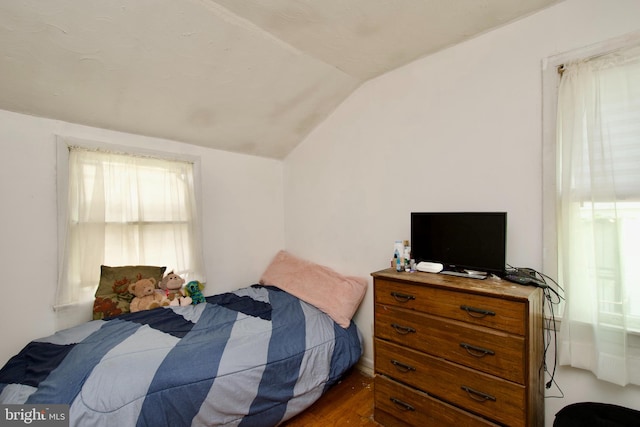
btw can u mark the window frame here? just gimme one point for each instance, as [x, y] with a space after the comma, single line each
[63, 143]
[550, 86]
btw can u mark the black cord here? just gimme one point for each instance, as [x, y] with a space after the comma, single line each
[544, 278]
[552, 297]
[555, 340]
[552, 380]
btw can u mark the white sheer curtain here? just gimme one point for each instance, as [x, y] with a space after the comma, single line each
[598, 211]
[124, 210]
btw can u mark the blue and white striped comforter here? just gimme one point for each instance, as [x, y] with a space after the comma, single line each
[253, 357]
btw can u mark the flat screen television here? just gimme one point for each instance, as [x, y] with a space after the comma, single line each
[461, 241]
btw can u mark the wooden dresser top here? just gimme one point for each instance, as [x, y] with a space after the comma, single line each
[489, 286]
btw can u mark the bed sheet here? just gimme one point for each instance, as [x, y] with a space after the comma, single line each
[256, 357]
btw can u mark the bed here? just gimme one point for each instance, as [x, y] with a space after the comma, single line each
[256, 356]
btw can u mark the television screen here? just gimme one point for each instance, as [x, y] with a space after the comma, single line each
[461, 241]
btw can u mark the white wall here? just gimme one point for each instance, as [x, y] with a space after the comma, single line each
[242, 218]
[460, 130]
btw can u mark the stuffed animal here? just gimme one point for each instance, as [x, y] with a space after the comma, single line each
[194, 290]
[171, 286]
[145, 295]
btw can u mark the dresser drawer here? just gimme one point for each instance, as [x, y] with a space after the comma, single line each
[498, 313]
[480, 348]
[495, 398]
[398, 405]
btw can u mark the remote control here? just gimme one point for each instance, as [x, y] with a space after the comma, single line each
[522, 279]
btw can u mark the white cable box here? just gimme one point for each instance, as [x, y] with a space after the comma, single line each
[429, 267]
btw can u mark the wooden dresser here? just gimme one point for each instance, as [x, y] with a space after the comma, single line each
[452, 351]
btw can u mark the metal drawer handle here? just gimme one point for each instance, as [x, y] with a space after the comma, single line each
[478, 395]
[478, 313]
[402, 330]
[476, 351]
[403, 405]
[402, 297]
[401, 366]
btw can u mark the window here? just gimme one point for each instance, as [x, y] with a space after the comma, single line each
[120, 209]
[593, 200]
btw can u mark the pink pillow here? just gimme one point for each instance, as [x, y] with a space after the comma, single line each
[338, 296]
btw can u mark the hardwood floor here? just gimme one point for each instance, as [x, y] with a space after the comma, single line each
[349, 402]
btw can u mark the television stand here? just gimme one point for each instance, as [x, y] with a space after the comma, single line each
[470, 274]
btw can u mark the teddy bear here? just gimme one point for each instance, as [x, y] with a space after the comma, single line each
[171, 288]
[146, 296]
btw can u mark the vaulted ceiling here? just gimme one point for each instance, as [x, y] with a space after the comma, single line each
[249, 76]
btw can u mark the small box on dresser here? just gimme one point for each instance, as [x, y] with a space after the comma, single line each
[457, 351]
